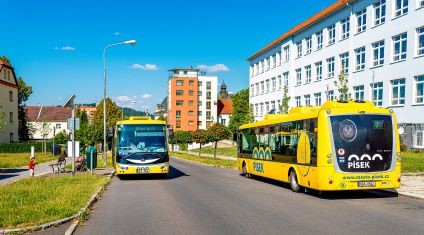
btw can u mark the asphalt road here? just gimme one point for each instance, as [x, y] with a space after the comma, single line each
[206, 200]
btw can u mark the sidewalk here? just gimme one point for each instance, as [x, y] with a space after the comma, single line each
[10, 175]
[209, 155]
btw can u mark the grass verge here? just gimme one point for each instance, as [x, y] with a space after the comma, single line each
[412, 161]
[14, 160]
[225, 151]
[39, 200]
[205, 160]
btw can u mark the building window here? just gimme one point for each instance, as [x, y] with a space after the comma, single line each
[208, 105]
[278, 58]
[378, 53]
[208, 95]
[179, 93]
[262, 63]
[273, 62]
[419, 89]
[420, 41]
[58, 126]
[273, 105]
[330, 95]
[8, 75]
[199, 93]
[298, 101]
[419, 136]
[399, 47]
[420, 3]
[178, 124]
[299, 49]
[180, 82]
[256, 109]
[266, 107]
[308, 74]
[179, 103]
[360, 59]
[185, 72]
[208, 124]
[359, 92]
[319, 40]
[199, 123]
[266, 64]
[280, 82]
[199, 113]
[11, 117]
[331, 34]
[11, 96]
[308, 45]
[344, 63]
[191, 82]
[330, 67]
[345, 28]
[267, 86]
[208, 85]
[177, 114]
[318, 70]
[252, 71]
[377, 94]
[274, 84]
[262, 109]
[200, 83]
[286, 52]
[208, 114]
[317, 99]
[379, 12]
[286, 79]
[191, 93]
[298, 77]
[398, 92]
[307, 100]
[190, 113]
[199, 103]
[190, 103]
[262, 87]
[401, 7]
[361, 20]
[257, 88]
[252, 90]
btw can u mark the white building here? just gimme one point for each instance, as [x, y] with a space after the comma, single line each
[46, 121]
[8, 103]
[379, 44]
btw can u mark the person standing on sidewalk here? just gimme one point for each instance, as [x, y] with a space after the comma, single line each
[31, 166]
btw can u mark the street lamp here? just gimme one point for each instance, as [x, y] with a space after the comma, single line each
[122, 113]
[129, 42]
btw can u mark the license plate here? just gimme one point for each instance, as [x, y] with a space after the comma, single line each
[143, 170]
[366, 184]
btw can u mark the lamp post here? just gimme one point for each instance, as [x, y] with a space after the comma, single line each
[129, 42]
[122, 113]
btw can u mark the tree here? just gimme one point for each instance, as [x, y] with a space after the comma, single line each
[44, 128]
[5, 59]
[216, 133]
[242, 111]
[61, 138]
[342, 85]
[182, 137]
[162, 117]
[113, 114]
[284, 108]
[201, 137]
[24, 91]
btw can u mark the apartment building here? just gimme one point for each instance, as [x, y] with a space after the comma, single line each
[8, 103]
[378, 44]
[192, 99]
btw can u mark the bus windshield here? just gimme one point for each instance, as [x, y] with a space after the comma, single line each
[139, 138]
[363, 143]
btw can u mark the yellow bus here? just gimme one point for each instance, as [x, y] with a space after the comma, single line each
[338, 146]
[141, 146]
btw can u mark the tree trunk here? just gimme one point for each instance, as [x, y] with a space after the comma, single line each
[214, 152]
[200, 150]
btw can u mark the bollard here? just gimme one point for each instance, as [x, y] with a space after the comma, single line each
[32, 152]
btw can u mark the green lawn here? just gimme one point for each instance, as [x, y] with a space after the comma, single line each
[39, 200]
[13, 160]
[412, 162]
[226, 151]
[205, 160]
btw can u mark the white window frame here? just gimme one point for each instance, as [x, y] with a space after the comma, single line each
[361, 20]
[419, 89]
[331, 30]
[298, 77]
[308, 74]
[330, 67]
[308, 45]
[262, 109]
[420, 4]
[400, 8]
[344, 62]
[320, 40]
[397, 86]
[257, 88]
[418, 139]
[318, 70]
[279, 82]
[377, 53]
[299, 49]
[267, 86]
[274, 84]
[330, 95]
[379, 12]
[400, 41]
[252, 90]
[307, 100]
[360, 59]
[262, 87]
[298, 101]
[317, 99]
[420, 41]
[286, 79]
[377, 93]
[359, 92]
[345, 28]
[286, 51]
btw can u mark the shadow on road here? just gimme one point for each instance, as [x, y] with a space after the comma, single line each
[173, 174]
[2, 177]
[335, 195]
[12, 170]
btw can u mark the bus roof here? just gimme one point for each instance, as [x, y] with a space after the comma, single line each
[300, 113]
[140, 120]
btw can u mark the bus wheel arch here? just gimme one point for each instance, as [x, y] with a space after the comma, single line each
[293, 180]
[244, 170]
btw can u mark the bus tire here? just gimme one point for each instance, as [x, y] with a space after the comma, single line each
[294, 185]
[244, 171]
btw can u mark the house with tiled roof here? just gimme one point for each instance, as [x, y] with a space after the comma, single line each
[45, 121]
[225, 106]
[8, 103]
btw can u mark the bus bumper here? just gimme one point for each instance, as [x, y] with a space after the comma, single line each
[124, 169]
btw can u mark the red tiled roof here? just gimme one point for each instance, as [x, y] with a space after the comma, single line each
[225, 107]
[48, 113]
[339, 4]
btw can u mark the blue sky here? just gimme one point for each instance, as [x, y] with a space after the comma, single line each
[57, 46]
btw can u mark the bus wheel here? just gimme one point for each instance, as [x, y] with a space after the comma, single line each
[244, 171]
[293, 182]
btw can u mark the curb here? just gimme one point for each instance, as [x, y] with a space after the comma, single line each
[71, 228]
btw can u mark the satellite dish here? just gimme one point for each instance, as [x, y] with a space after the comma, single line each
[70, 102]
[401, 130]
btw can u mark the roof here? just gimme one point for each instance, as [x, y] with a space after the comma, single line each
[339, 4]
[225, 107]
[5, 64]
[48, 113]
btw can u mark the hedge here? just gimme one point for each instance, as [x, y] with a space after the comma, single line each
[23, 147]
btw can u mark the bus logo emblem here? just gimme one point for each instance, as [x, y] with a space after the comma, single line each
[348, 130]
[341, 152]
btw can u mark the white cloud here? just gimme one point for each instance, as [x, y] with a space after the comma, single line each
[146, 96]
[123, 98]
[213, 68]
[65, 48]
[116, 33]
[147, 67]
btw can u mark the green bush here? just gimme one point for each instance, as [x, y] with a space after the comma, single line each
[23, 147]
[183, 147]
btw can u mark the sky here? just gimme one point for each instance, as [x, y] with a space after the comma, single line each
[57, 46]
